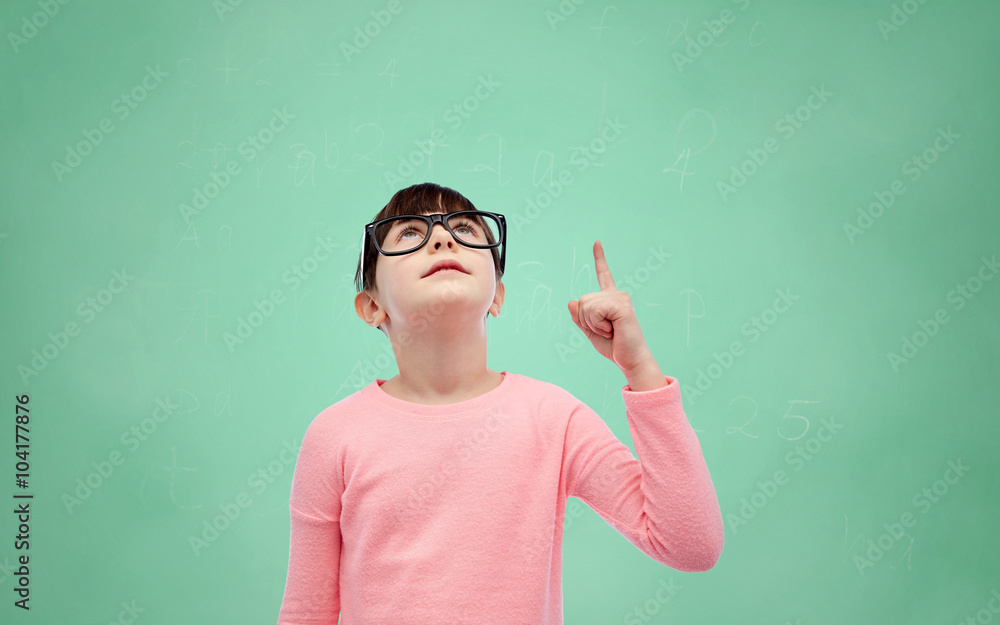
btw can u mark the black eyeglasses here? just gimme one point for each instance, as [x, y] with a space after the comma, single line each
[405, 234]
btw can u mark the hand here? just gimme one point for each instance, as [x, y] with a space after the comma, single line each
[608, 320]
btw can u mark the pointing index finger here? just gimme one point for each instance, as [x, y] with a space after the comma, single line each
[601, 266]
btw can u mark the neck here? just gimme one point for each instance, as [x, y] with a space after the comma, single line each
[443, 363]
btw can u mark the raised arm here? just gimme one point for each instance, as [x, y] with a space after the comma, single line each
[664, 502]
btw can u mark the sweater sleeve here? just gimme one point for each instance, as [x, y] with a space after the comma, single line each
[312, 588]
[664, 503]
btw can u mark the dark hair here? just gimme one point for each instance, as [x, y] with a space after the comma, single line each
[419, 199]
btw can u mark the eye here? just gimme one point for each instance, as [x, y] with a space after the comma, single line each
[467, 227]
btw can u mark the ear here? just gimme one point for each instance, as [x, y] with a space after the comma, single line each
[368, 309]
[497, 300]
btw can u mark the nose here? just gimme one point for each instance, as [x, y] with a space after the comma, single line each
[440, 234]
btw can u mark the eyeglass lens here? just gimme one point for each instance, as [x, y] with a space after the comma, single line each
[402, 234]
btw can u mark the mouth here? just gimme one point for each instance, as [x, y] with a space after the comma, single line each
[445, 266]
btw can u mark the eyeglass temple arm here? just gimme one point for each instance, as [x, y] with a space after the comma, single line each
[364, 239]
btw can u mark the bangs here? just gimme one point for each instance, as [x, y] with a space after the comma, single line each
[425, 199]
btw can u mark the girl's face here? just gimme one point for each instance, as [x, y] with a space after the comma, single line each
[409, 290]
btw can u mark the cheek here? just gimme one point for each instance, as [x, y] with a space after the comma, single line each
[487, 262]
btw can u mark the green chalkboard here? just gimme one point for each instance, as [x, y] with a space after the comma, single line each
[800, 199]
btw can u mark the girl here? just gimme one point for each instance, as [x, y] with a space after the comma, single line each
[438, 496]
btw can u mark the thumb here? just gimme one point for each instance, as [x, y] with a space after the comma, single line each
[574, 307]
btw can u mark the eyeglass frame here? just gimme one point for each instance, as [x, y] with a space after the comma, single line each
[430, 220]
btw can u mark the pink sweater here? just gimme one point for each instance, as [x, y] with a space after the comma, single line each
[405, 513]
